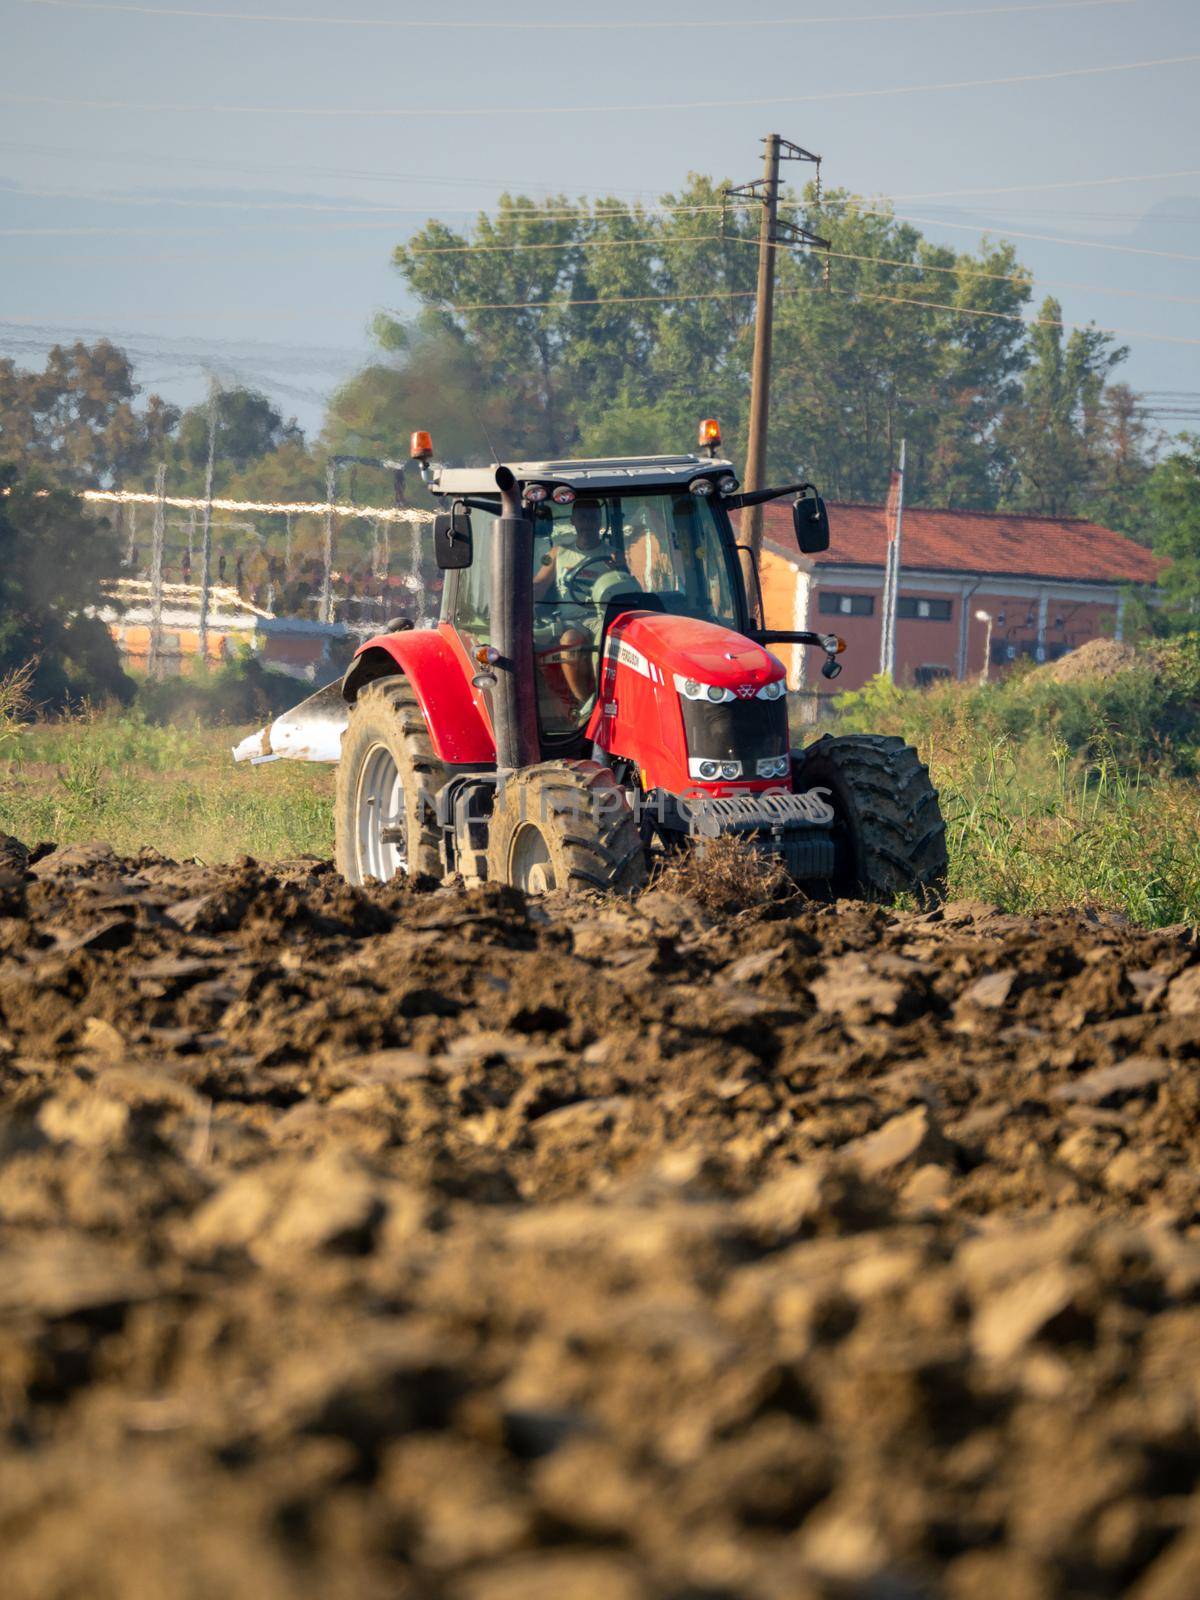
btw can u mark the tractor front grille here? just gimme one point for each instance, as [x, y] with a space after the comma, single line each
[736, 730]
[712, 814]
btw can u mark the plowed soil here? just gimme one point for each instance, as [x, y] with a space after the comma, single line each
[426, 1244]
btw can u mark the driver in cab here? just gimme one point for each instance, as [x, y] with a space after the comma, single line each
[581, 577]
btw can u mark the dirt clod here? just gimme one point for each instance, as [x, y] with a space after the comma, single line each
[443, 1246]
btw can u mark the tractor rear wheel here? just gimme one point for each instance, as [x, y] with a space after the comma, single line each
[565, 825]
[889, 836]
[387, 778]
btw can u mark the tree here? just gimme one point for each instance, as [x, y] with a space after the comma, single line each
[502, 290]
[77, 417]
[910, 340]
[248, 429]
[53, 562]
[1123, 452]
[427, 376]
[569, 312]
[1172, 498]
[1054, 433]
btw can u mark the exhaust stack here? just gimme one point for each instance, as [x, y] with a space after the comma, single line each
[514, 699]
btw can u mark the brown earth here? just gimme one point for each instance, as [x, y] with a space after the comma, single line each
[434, 1245]
[1098, 658]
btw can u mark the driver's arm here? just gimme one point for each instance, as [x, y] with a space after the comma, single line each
[544, 576]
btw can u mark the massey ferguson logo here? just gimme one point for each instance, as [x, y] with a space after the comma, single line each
[746, 691]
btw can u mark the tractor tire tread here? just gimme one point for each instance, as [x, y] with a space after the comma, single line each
[390, 707]
[888, 810]
[600, 850]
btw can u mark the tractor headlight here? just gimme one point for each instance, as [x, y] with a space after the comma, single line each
[774, 767]
[701, 486]
[690, 689]
[727, 485]
[714, 771]
[535, 493]
[772, 691]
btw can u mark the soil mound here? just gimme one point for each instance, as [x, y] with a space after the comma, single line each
[447, 1246]
[1098, 658]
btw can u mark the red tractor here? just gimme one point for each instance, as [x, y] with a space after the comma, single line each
[597, 691]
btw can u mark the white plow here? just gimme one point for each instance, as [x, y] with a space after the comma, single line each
[311, 731]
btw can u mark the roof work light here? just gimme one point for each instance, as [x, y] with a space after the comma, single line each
[710, 435]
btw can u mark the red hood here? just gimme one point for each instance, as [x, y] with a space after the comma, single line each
[702, 650]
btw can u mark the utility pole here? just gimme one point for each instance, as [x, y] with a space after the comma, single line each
[764, 328]
[894, 520]
[131, 542]
[153, 662]
[771, 234]
[206, 533]
[327, 553]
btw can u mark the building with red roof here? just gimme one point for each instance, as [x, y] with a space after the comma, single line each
[1038, 586]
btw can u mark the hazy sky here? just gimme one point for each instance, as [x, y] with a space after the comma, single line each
[187, 222]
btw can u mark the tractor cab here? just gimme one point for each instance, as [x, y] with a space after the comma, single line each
[599, 687]
[608, 539]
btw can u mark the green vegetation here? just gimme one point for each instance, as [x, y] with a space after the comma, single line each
[553, 326]
[116, 777]
[238, 691]
[1076, 793]
[53, 560]
[1056, 794]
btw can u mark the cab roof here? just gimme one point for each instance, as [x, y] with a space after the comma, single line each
[615, 472]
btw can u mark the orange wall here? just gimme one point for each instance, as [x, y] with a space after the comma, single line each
[922, 642]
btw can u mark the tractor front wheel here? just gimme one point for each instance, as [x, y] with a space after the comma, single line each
[387, 777]
[565, 825]
[889, 836]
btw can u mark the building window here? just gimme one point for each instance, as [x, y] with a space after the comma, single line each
[925, 676]
[846, 605]
[926, 610]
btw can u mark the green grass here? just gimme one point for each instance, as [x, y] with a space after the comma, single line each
[1054, 796]
[118, 778]
[1033, 833]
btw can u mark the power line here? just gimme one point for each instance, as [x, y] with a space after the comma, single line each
[188, 202]
[375, 175]
[853, 294]
[1045, 238]
[534, 110]
[1004, 214]
[211, 163]
[108, 197]
[298, 357]
[967, 268]
[1064, 183]
[224, 314]
[530, 214]
[605, 26]
[513, 215]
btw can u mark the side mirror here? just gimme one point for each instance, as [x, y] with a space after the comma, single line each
[452, 540]
[811, 522]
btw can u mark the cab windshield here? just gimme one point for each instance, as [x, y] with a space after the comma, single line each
[604, 547]
[664, 550]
